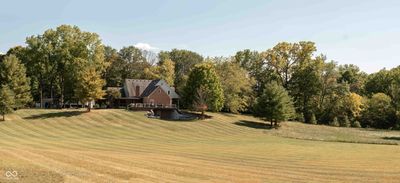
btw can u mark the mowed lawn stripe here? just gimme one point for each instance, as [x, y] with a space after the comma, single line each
[214, 150]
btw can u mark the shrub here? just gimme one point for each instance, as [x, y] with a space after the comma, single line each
[299, 117]
[313, 120]
[345, 122]
[356, 124]
[334, 122]
[379, 112]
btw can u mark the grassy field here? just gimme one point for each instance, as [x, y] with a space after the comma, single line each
[122, 146]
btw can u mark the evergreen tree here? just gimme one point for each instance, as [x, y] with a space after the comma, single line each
[13, 74]
[204, 76]
[274, 104]
[6, 101]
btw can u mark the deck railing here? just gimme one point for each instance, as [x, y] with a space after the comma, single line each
[151, 105]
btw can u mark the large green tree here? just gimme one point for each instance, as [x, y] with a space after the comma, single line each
[352, 75]
[379, 112]
[6, 100]
[56, 56]
[164, 70]
[112, 75]
[284, 58]
[274, 105]
[253, 62]
[305, 85]
[203, 84]
[330, 101]
[127, 63]
[184, 61]
[13, 74]
[237, 86]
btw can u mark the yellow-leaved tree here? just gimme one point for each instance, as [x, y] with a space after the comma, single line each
[89, 86]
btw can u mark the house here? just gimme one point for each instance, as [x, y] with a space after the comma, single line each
[146, 92]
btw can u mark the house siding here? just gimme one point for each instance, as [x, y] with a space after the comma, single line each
[158, 96]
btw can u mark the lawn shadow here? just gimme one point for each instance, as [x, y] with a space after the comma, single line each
[253, 124]
[391, 138]
[55, 114]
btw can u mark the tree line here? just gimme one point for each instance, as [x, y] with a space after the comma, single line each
[286, 82]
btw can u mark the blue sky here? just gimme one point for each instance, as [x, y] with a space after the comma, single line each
[365, 33]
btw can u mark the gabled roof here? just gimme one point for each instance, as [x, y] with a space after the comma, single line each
[150, 88]
[129, 86]
[147, 87]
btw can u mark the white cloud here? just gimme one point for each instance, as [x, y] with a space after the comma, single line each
[145, 46]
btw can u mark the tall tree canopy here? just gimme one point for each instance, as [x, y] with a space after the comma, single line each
[284, 58]
[203, 84]
[352, 75]
[164, 70]
[57, 56]
[89, 86]
[184, 61]
[379, 112]
[13, 74]
[127, 63]
[305, 86]
[237, 86]
[330, 100]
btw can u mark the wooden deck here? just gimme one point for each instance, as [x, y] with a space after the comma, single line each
[147, 106]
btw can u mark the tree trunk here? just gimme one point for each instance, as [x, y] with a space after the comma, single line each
[51, 93]
[41, 97]
[62, 92]
[41, 93]
[4, 118]
[89, 107]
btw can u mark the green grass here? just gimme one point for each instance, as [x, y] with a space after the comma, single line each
[123, 146]
[337, 134]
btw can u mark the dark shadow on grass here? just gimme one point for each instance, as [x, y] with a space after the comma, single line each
[56, 114]
[253, 124]
[391, 138]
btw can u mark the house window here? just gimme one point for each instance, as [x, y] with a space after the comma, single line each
[169, 92]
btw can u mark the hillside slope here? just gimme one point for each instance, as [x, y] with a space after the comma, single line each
[123, 146]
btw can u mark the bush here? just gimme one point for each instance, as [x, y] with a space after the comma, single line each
[345, 122]
[334, 122]
[356, 124]
[313, 120]
[379, 112]
[299, 117]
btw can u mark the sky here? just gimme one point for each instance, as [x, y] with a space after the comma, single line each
[361, 32]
